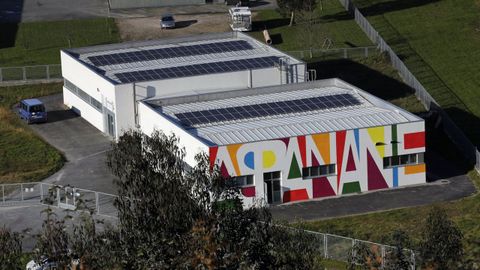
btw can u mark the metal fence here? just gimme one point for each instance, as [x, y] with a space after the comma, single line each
[329, 246]
[326, 54]
[29, 73]
[340, 248]
[454, 133]
[58, 196]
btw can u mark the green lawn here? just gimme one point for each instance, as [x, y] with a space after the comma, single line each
[439, 41]
[39, 43]
[24, 156]
[343, 33]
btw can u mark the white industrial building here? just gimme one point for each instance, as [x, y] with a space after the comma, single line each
[103, 83]
[298, 141]
[249, 107]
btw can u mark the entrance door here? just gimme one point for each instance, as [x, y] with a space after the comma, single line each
[273, 190]
[111, 124]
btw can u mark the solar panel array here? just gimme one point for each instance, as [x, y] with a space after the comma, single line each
[171, 52]
[198, 69]
[267, 109]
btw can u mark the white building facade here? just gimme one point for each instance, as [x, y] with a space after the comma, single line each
[298, 141]
[104, 84]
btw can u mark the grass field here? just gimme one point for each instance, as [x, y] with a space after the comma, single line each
[439, 41]
[378, 227]
[23, 155]
[39, 43]
[343, 33]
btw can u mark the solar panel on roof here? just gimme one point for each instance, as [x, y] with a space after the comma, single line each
[266, 109]
[198, 69]
[171, 52]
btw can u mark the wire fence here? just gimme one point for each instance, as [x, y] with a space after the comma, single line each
[337, 53]
[65, 197]
[329, 246]
[30, 73]
[454, 133]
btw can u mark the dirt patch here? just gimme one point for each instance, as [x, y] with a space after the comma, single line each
[149, 28]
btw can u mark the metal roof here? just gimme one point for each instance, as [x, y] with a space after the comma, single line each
[369, 111]
[141, 57]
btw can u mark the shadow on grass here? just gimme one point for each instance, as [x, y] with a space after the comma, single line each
[362, 76]
[379, 9]
[269, 24]
[443, 158]
[183, 24]
[10, 17]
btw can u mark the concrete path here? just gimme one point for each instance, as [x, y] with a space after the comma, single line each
[83, 146]
[29, 219]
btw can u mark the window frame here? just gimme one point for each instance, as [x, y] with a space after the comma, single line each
[403, 160]
[246, 177]
[331, 170]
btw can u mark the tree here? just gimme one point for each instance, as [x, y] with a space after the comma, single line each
[10, 249]
[398, 259]
[441, 245]
[53, 241]
[155, 207]
[172, 216]
[94, 249]
[292, 6]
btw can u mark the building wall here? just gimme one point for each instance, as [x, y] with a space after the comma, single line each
[92, 84]
[150, 121]
[359, 161]
[83, 109]
[114, 4]
[233, 80]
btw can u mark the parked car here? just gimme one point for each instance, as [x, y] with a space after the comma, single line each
[167, 21]
[32, 111]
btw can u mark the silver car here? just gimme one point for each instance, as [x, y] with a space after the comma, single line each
[167, 21]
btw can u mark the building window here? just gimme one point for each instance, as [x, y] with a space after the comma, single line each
[83, 95]
[243, 180]
[402, 160]
[271, 176]
[317, 171]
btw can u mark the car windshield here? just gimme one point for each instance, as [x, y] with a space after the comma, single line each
[167, 19]
[37, 108]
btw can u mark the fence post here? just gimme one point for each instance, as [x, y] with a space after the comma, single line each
[354, 252]
[48, 71]
[383, 257]
[325, 246]
[24, 73]
[1, 75]
[21, 192]
[412, 254]
[3, 193]
[41, 193]
[97, 203]
[345, 53]
[58, 196]
[366, 51]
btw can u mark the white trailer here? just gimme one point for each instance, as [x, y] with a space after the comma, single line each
[240, 19]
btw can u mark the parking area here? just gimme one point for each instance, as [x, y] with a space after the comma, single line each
[149, 27]
[83, 145]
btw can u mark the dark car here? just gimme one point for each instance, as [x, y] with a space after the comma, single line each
[32, 111]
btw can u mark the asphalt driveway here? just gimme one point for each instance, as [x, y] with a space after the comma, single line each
[83, 145]
[446, 183]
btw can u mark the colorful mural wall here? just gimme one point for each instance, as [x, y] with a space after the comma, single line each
[358, 155]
